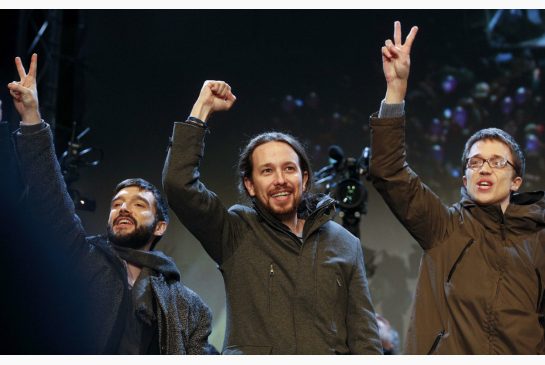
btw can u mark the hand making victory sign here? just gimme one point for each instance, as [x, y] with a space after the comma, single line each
[396, 63]
[25, 92]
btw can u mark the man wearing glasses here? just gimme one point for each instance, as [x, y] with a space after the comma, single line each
[481, 284]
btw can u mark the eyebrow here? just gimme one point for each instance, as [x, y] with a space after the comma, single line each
[481, 156]
[137, 198]
[270, 164]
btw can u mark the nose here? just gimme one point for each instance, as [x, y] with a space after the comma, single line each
[485, 168]
[279, 178]
[124, 208]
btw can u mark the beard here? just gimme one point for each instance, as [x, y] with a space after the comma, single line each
[137, 239]
[286, 212]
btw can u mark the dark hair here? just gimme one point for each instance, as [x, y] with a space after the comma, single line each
[501, 136]
[245, 165]
[161, 207]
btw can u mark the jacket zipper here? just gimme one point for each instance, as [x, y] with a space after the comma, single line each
[436, 342]
[459, 259]
[271, 275]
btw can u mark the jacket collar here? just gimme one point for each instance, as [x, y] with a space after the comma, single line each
[155, 266]
[316, 209]
[525, 212]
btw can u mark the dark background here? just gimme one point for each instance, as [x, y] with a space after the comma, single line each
[129, 74]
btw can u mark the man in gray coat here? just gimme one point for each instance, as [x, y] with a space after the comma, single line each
[139, 305]
[295, 280]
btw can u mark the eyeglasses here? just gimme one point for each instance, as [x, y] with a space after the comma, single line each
[495, 162]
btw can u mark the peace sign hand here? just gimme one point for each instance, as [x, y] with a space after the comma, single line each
[396, 63]
[25, 92]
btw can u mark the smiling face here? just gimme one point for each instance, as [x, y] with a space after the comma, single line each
[132, 220]
[486, 185]
[277, 180]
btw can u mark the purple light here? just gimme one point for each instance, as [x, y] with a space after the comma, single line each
[460, 116]
[436, 129]
[437, 153]
[507, 105]
[449, 84]
[521, 95]
[532, 143]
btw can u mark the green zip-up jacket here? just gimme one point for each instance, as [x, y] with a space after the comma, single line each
[284, 295]
[482, 272]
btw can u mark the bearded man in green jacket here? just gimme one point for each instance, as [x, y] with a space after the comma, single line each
[294, 279]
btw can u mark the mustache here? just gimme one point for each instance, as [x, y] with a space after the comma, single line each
[126, 216]
[284, 188]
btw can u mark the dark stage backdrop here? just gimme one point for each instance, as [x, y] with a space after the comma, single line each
[317, 74]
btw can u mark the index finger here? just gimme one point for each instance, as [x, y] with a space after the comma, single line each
[20, 68]
[410, 37]
[33, 65]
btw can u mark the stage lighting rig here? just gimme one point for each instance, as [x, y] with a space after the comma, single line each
[74, 158]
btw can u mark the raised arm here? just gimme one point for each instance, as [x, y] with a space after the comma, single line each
[198, 208]
[411, 201]
[47, 193]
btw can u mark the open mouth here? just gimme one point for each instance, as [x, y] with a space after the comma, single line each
[484, 185]
[124, 222]
[281, 195]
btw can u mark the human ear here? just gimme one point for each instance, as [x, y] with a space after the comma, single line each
[249, 185]
[516, 183]
[160, 228]
[305, 180]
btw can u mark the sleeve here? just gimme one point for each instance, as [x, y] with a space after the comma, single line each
[198, 208]
[391, 110]
[362, 328]
[198, 338]
[45, 186]
[413, 203]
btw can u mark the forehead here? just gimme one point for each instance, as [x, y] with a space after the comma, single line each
[274, 152]
[490, 147]
[134, 192]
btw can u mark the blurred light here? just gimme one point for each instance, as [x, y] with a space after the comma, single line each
[507, 105]
[454, 172]
[460, 116]
[504, 57]
[521, 95]
[447, 113]
[313, 100]
[288, 104]
[437, 152]
[532, 143]
[481, 90]
[436, 129]
[449, 84]
[298, 102]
